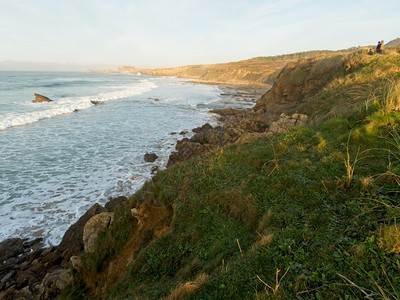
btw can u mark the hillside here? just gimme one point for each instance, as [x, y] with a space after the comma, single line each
[395, 42]
[258, 72]
[307, 214]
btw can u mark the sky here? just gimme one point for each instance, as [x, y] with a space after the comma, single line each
[95, 34]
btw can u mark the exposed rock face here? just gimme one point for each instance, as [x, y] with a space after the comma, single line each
[41, 98]
[150, 157]
[93, 228]
[287, 121]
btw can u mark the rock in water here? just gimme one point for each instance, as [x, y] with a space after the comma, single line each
[150, 157]
[96, 102]
[41, 98]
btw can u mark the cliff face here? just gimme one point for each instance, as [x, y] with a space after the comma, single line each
[256, 72]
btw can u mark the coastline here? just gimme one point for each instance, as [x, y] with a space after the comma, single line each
[29, 269]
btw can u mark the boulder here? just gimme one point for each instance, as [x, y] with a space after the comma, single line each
[150, 157]
[112, 203]
[72, 241]
[41, 98]
[53, 283]
[77, 263]
[93, 228]
[11, 248]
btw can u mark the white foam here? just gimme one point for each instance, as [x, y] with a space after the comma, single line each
[69, 105]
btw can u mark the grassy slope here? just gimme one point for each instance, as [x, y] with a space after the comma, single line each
[310, 214]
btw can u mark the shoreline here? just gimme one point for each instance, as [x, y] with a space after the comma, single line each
[31, 269]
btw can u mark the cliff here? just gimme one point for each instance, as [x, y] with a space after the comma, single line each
[256, 72]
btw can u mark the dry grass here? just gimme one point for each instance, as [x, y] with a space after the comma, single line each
[188, 288]
[391, 96]
[278, 281]
[350, 165]
[389, 238]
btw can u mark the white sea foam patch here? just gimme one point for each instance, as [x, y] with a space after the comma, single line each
[68, 105]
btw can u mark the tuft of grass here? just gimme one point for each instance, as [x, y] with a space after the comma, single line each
[389, 238]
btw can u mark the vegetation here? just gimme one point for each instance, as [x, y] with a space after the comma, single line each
[309, 214]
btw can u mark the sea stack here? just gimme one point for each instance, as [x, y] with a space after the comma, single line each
[41, 98]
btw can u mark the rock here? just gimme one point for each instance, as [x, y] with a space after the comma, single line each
[11, 248]
[205, 127]
[72, 241]
[287, 121]
[93, 228]
[112, 203]
[150, 157]
[37, 267]
[7, 277]
[227, 111]
[154, 169]
[53, 283]
[41, 98]
[24, 293]
[77, 263]
[51, 258]
[22, 279]
[95, 102]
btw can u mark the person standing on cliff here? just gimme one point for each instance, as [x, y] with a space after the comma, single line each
[378, 47]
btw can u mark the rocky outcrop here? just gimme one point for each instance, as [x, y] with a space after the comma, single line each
[72, 241]
[26, 274]
[29, 271]
[41, 98]
[287, 121]
[93, 228]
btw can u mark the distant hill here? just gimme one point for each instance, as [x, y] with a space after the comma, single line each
[258, 71]
[395, 42]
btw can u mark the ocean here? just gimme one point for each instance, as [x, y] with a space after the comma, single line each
[57, 159]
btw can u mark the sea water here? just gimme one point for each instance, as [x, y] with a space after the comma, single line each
[59, 158]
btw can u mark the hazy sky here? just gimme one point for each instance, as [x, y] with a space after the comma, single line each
[167, 33]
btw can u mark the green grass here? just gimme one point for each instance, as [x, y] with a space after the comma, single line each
[304, 217]
[282, 217]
